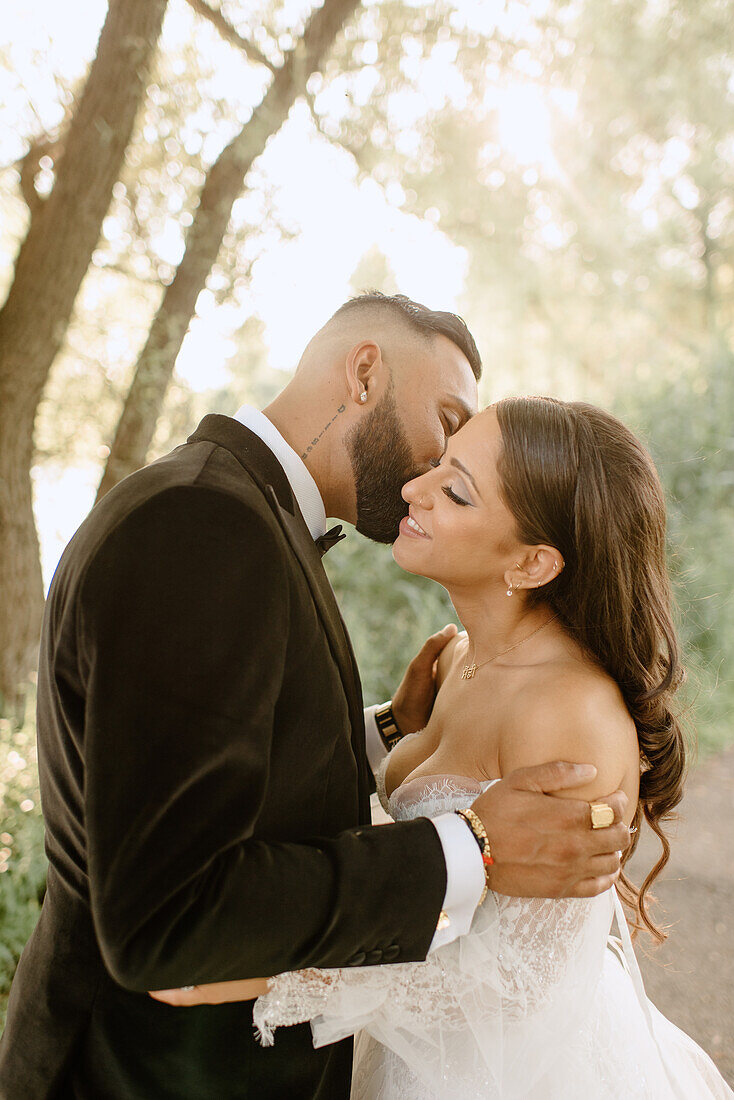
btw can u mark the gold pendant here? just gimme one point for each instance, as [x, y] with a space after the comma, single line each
[468, 671]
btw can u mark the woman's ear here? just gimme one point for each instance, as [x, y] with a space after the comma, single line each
[538, 566]
[362, 366]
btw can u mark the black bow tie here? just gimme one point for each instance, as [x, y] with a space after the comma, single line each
[331, 538]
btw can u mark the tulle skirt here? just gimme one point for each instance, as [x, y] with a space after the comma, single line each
[619, 1051]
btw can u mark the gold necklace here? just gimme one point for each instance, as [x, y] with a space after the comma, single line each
[468, 671]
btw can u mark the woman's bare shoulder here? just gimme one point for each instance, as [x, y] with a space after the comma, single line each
[574, 711]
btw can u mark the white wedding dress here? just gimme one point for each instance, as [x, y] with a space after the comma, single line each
[539, 1001]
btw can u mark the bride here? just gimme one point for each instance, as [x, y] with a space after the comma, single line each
[545, 522]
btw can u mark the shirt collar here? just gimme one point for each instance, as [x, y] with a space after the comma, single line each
[305, 489]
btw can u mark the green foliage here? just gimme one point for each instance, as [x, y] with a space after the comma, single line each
[22, 857]
[689, 427]
[388, 612]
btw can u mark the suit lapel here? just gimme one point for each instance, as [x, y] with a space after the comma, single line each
[263, 467]
[309, 558]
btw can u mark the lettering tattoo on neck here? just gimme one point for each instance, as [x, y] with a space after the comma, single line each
[316, 439]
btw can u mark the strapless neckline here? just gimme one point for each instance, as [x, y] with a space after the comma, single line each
[429, 795]
[442, 777]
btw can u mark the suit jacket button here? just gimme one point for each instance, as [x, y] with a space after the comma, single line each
[358, 959]
[391, 952]
[373, 957]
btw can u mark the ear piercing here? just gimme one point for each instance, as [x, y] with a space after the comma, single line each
[509, 590]
[363, 396]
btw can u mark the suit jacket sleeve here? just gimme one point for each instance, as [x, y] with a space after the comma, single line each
[183, 623]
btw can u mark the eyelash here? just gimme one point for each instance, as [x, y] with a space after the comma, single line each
[452, 496]
[435, 463]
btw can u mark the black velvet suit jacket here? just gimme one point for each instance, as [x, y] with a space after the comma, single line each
[205, 788]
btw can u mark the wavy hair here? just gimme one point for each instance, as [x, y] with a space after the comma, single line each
[576, 478]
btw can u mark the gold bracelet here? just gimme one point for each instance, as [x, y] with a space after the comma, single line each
[480, 835]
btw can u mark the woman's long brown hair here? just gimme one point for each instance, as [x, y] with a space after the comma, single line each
[575, 478]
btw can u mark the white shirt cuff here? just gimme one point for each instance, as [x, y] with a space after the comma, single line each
[376, 750]
[465, 879]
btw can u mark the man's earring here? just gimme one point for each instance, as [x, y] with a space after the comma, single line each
[363, 396]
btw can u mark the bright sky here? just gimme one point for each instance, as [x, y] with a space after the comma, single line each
[336, 218]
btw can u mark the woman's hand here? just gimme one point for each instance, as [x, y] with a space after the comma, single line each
[217, 993]
[413, 701]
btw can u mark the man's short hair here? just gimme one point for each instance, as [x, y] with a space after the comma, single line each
[422, 320]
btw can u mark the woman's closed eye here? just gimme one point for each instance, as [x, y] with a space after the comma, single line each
[453, 496]
[448, 489]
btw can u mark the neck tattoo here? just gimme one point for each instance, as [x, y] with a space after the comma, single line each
[317, 439]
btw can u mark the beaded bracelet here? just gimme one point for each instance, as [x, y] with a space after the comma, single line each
[480, 835]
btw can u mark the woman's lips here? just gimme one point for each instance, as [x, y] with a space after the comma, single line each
[412, 529]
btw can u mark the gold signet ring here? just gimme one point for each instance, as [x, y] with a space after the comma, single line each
[602, 816]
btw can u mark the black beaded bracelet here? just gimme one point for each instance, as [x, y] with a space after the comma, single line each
[477, 837]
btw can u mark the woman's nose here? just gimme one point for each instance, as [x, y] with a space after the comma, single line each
[416, 491]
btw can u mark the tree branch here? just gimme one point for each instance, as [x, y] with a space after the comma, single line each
[359, 154]
[28, 167]
[229, 34]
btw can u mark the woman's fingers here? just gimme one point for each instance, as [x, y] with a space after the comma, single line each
[215, 993]
[178, 997]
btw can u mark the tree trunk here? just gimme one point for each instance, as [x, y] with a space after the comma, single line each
[222, 186]
[49, 270]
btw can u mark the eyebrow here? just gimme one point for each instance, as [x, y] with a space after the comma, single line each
[462, 467]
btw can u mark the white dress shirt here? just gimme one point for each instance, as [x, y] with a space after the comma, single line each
[464, 867]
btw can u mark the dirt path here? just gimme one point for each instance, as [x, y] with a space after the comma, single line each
[691, 977]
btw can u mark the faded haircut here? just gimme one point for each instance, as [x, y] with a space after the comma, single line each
[419, 319]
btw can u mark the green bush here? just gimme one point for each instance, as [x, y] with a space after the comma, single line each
[22, 857]
[688, 423]
[389, 613]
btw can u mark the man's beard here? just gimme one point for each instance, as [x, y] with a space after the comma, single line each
[382, 462]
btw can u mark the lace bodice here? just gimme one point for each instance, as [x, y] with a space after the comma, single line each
[515, 955]
[428, 795]
[515, 1009]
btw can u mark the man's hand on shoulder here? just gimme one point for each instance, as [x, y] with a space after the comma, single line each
[538, 819]
[413, 701]
[544, 846]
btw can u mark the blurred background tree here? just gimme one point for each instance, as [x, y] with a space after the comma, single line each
[559, 171]
[65, 216]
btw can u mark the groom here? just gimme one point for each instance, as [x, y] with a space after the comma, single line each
[202, 755]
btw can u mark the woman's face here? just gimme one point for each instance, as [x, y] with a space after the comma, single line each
[465, 534]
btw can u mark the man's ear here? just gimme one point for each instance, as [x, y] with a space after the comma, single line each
[362, 367]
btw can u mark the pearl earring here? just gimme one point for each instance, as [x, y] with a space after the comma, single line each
[363, 396]
[509, 590]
